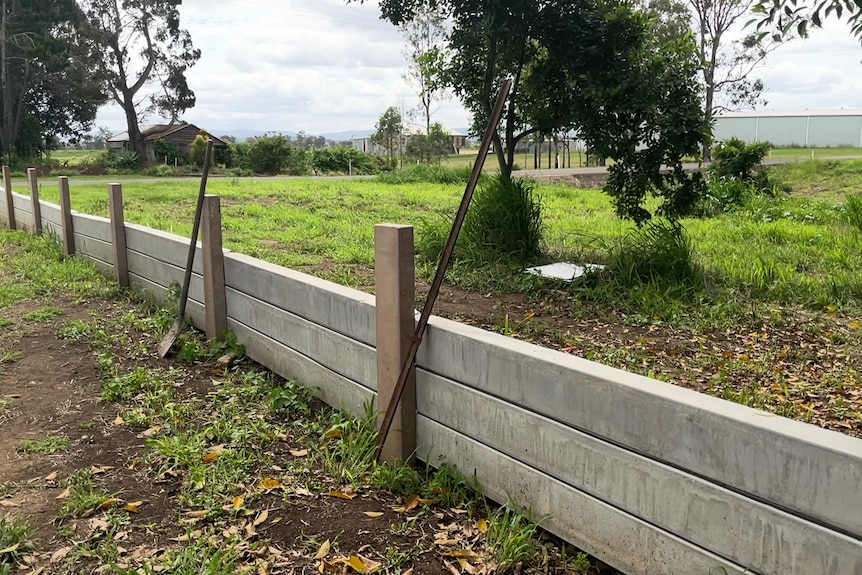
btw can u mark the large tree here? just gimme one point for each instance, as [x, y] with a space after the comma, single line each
[144, 57]
[426, 54]
[48, 85]
[389, 132]
[560, 55]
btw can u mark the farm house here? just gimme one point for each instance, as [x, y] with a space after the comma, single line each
[806, 128]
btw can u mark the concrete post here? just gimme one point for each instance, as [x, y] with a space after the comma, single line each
[215, 301]
[396, 322]
[10, 207]
[67, 233]
[118, 234]
[35, 206]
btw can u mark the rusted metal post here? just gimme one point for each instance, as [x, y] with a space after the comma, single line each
[67, 232]
[396, 322]
[118, 234]
[10, 207]
[215, 298]
[35, 206]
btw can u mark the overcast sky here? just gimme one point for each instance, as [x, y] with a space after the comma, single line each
[323, 66]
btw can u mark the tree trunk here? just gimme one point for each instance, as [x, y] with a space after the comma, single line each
[136, 139]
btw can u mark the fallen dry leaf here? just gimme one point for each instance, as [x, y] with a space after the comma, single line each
[6, 503]
[323, 551]
[299, 452]
[133, 507]
[119, 421]
[210, 457]
[66, 494]
[51, 477]
[452, 569]
[100, 469]
[463, 554]
[334, 433]
[264, 515]
[340, 495]
[109, 502]
[151, 431]
[373, 514]
[11, 549]
[60, 554]
[482, 526]
[412, 502]
[268, 484]
[196, 514]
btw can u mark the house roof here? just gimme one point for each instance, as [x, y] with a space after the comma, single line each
[152, 132]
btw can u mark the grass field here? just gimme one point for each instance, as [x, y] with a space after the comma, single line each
[74, 157]
[793, 250]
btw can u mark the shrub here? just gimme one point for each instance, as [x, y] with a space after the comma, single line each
[503, 225]
[658, 252]
[267, 154]
[734, 158]
[169, 152]
[123, 159]
[341, 159]
[505, 221]
[199, 149]
[723, 195]
[430, 174]
[160, 171]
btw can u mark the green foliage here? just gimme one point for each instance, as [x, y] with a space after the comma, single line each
[15, 535]
[272, 154]
[660, 252]
[45, 446]
[291, 399]
[84, 496]
[429, 148]
[43, 314]
[853, 212]
[199, 149]
[512, 538]
[348, 445]
[389, 131]
[733, 158]
[168, 152]
[430, 174]
[724, 195]
[341, 160]
[160, 171]
[504, 222]
[123, 159]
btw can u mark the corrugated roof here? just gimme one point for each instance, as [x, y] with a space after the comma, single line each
[792, 113]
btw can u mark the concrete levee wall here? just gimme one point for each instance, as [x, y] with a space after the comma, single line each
[649, 477]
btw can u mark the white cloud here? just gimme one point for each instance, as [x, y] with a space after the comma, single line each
[326, 66]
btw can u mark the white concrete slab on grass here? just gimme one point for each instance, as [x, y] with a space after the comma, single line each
[564, 270]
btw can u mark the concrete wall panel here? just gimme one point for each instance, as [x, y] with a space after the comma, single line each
[166, 247]
[617, 538]
[341, 309]
[728, 524]
[349, 358]
[332, 388]
[92, 226]
[96, 249]
[815, 472]
[163, 274]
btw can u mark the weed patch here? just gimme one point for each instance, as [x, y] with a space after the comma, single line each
[44, 446]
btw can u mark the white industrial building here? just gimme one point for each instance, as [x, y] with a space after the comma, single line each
[807, 128]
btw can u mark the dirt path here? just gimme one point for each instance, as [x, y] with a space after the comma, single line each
[116, 460]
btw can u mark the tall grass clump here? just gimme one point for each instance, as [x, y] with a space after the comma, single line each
[503, 226]
[420, 173]
[660, 252]
[505, 221]
[853, 212]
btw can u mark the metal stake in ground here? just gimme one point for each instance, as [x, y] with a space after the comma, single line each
[490, 130]
[171, 337]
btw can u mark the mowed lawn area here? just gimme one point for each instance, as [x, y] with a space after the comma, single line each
[776, 325]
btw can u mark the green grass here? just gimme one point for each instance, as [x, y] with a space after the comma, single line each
[43, 314]
[74, 157]
[84, 496]
[15, 536]
[512, 538]
[45, 446]
[791, 250]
